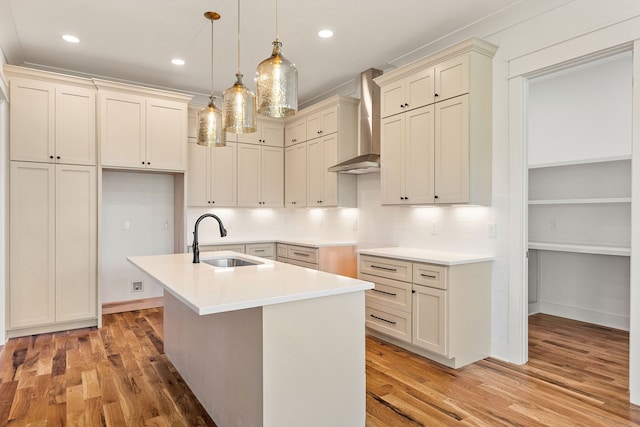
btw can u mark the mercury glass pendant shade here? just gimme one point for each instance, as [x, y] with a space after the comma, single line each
[277, 85]
[210, 129]
[239, 108]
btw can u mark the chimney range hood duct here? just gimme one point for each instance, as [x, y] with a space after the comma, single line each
[368, 159]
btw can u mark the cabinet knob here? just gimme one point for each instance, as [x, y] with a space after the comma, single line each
[413, 291]
[143, 163]
[406, 105]
[435, 94]
[401, 106]
[148, 163]
[58, 157]
[51, 157]
[435, 197]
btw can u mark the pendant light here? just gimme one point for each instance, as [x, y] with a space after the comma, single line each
[210, 127]
[239, 102]
[277, 83]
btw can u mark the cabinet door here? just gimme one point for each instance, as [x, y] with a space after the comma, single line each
[392, 98]
[329, 179]
[295, 132]
[249, 175]
[295, 163]
[32, 244]
[329, 121]
[166, 135]
[75, 126]
[198, 178]
[314, 125]
[223, 181]
[419, 89]
[272, 134]
[452, 78]
[31, 120]
[452, 150]
[419, 155]
[272, 176]
[122, 131]
[314, 172]
[76, 242]
[430, 326]
[392, 130]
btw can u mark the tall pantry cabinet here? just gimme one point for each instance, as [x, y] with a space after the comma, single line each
[53, 202]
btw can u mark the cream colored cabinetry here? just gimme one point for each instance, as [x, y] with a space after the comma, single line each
[262, 250]
[54, 286]
[332, 259]
[441, 312]
[269, 132]
[260, 176]
[295, 131]
[141, 128]
[212, 174]
[331, 138]
[52, 117]
[456, 154]
[295, 175]
[407, 176]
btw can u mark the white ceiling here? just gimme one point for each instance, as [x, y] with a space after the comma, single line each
[134, 40]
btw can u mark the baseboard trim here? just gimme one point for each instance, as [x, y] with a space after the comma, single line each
[138, 304]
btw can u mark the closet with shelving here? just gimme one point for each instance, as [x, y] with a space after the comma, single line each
[579, 154]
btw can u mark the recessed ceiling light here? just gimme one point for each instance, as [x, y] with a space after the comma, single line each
[177, 61]
[325, 34]
[71, 39]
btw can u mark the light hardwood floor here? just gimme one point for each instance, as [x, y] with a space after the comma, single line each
[118, 376]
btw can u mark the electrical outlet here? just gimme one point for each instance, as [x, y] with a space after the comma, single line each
[492, 229]
[355, 225]
[434, 227]
[137, 286]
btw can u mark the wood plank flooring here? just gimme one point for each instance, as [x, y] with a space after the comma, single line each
[119, 376]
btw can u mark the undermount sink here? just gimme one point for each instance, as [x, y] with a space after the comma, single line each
[230, 262]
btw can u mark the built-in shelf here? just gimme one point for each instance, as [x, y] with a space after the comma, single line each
[583, 249]
[580, 162]
[600, 200]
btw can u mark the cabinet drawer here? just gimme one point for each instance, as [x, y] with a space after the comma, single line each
[302, 253]
[302, 264]
[392, 322]
[390, 293]
[282, 250]
[430, 275]
[386, 267]
[234, 248]
[260, 249]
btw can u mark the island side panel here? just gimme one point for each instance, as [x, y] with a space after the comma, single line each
[220, 358]
[314, 362]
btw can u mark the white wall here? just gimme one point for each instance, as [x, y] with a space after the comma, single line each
[144, 201]
[4, 191]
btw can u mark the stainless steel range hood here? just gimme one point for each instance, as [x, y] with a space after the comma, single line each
[368, 158]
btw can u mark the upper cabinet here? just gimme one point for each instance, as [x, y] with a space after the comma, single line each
[295, 131]
[269, 132]
[260, 176]
[331, 137]
[436, 140]
[211, 177]
[142, 128]
[52, 117]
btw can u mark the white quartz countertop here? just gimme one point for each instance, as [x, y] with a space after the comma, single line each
[427, 255]
[207, 289]
[314, 243]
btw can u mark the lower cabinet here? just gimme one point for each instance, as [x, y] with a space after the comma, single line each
[262, 250]
[53, 248]
[441, 312]
[331, 259]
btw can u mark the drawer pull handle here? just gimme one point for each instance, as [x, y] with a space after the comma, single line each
[384, 320]
[301, 254]
[428, 276]
[258, 250]
[383, 268]
[386, 293]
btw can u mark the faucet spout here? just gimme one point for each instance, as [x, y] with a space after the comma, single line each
[196, 250]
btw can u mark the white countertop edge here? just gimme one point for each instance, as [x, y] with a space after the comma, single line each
[222, 308]
[427, 255]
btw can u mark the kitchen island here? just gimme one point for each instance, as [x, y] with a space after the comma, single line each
[265, 345]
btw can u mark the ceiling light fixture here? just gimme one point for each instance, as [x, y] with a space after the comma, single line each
[277, 83]
[325, 34]
[71, 39]
[239, 102]
[210, 132]
[177, 61]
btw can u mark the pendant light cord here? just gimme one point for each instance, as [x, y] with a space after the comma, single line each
[211, 59]
[277, 33]
[238, 36]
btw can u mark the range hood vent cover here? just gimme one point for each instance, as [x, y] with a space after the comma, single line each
[368, 159]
